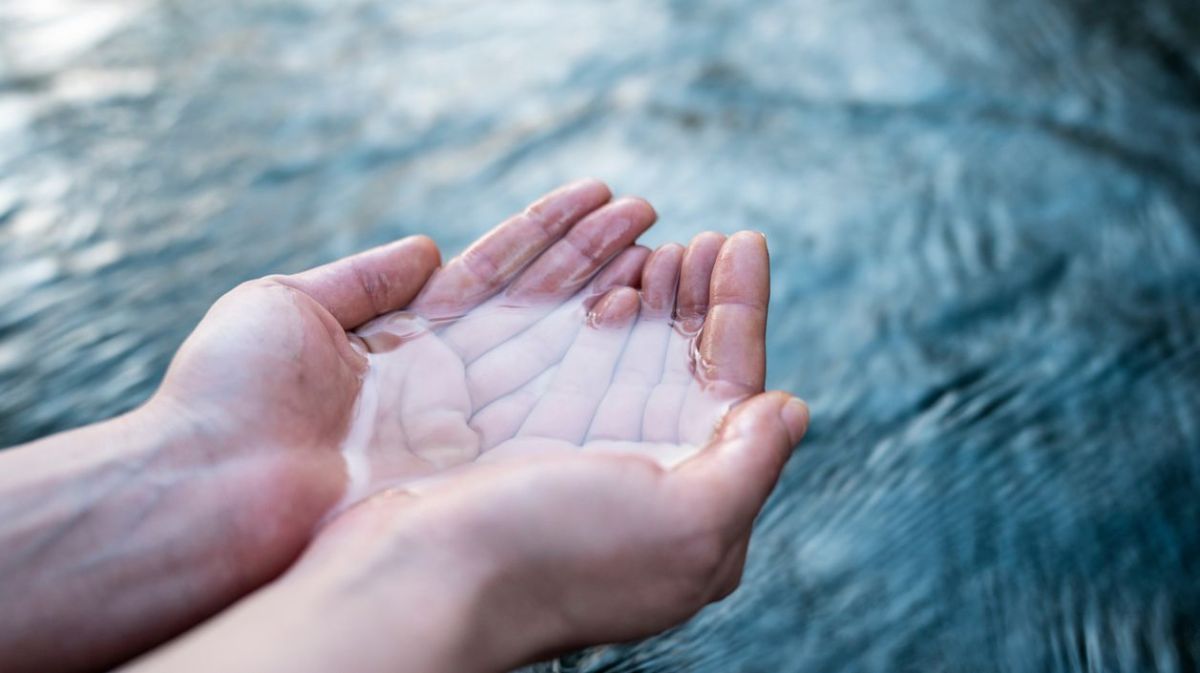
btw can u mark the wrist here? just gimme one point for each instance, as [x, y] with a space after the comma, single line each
[349, 604]
[427, 595]
[265, 501]
[170, 526]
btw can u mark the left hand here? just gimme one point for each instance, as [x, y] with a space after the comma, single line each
[272, 374]
[216, 485]
[551, 547]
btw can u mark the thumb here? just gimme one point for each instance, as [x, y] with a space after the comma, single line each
[358, 288]
[740, 467]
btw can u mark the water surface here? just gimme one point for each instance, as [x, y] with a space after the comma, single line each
[985, 225]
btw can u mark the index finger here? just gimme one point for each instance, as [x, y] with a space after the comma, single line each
[492, 262]
[569, 264]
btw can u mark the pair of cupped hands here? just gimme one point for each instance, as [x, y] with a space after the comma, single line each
[557, 438]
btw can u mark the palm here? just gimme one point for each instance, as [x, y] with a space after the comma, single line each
[532, 341]
[604, 370]
[268, 364]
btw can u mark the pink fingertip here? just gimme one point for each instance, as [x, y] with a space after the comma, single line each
[616, 309]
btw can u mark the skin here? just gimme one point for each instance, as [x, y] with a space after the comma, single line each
[261, 431]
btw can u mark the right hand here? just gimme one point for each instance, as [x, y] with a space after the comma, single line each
[536, 556]
[560, 546]
[497, 360]
[515, 545]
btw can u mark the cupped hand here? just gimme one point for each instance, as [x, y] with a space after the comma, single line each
[276, 374]
[558, 438]
[513, 561]
[603, 488]
[560, 354]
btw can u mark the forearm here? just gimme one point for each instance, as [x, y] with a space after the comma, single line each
[311, 627]
[117, 536]
[439, 606]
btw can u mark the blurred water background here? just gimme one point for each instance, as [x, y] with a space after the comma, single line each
[985, 226]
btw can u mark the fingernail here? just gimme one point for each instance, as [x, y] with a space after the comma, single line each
[795, 417]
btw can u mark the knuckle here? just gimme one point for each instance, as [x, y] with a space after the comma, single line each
[481, 268]
[259, 284]
[260, 287]
[374, 287]
[586, 249]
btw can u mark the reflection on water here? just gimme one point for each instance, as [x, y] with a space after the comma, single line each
[984, 219]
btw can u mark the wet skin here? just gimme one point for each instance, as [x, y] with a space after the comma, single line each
[590, 364]
[539, 438]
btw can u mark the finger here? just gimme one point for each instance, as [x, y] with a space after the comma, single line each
[662, 421]
[733, 344]
[494, 324]
[732, 477]
[660, 278]
[616, 310]
[695, 279]
[360, 287]
[499, 256]
[619, 416]
[566, 410]
[568, 264]
[624, 271]
[731, 347]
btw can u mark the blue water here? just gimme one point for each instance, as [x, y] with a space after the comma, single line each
[985, 227]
